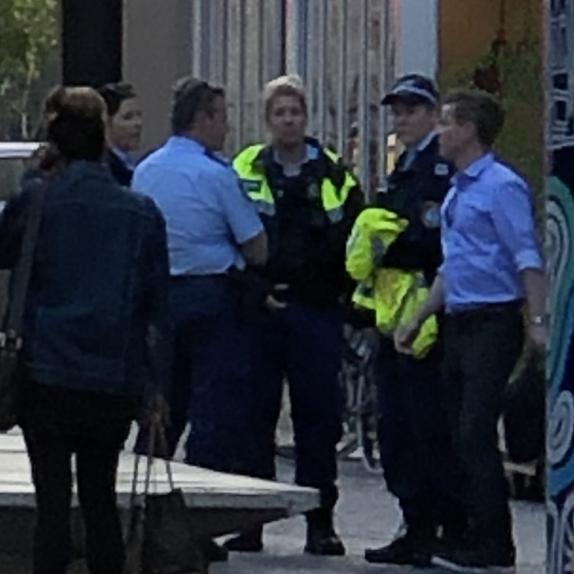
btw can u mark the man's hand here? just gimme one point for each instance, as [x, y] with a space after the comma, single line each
[405, 336]
[274, 304]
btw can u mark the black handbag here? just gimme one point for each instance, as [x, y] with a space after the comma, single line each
[160, 537]
[11, 333]
[524, 413]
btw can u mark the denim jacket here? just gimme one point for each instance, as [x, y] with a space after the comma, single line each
[96, 313]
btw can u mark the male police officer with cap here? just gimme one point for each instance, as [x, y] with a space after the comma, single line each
[415, 445]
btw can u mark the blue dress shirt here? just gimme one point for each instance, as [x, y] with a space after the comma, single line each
[208, 217]
[488, 236]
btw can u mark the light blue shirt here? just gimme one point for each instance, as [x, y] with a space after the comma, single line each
[488, 236]
[208, 217]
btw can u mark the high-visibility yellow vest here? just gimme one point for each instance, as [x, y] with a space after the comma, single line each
[394, 294]
[255, 184]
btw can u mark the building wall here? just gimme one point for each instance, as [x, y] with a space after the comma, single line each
[497, 46]
[418, 42]
[156, 52]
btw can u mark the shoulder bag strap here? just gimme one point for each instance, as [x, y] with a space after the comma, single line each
[23, 269]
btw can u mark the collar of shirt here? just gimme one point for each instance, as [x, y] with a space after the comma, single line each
[425, 142]
[293, 169]
[463, 178]
[412, 151]
[186, 144]
[125, 157]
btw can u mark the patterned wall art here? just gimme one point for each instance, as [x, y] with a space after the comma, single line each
[560, 253]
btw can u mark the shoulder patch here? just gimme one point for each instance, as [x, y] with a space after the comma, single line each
[430, 214]
[250, 186]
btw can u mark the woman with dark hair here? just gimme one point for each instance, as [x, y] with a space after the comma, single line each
[96, 297]
[124, 124]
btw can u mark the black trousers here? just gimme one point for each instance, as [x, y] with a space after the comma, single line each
[481, 350]
[417, 456]
[58, 422]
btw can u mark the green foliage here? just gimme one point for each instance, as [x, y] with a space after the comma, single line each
[515, 71]
[28, 32]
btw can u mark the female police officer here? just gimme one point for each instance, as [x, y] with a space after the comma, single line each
[308, 202]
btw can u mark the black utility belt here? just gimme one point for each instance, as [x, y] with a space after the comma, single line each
[485, 310]
[207, 278]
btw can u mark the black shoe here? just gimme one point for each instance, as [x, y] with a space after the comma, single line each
[477, 558]
[248, 541]
[215, 552]
[322, 540]
[405, 550]
[325, 545]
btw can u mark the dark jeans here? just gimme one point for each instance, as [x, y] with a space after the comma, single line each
[57, 423]
[481, 350]
[417, 456]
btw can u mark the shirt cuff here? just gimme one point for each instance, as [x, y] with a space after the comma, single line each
[529, 259]
[250, 233]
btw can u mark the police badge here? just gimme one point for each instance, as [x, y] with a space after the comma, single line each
[430, 214]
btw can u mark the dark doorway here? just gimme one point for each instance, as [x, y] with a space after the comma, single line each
[91, 41]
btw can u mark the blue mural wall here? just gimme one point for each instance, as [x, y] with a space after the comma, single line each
[560, 252]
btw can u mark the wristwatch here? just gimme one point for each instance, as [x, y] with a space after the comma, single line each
[537, 320]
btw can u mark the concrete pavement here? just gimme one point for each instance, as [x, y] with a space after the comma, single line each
[367, 516]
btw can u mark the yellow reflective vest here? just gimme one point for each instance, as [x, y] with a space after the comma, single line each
[255, 184]
[393, 294]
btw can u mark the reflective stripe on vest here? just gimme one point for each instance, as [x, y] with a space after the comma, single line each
[256, 186]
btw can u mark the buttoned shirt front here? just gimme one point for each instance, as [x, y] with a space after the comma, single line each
[208, 217]
[488, 236]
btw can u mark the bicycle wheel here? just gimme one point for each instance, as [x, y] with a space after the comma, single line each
[367, 423]
[348, 443]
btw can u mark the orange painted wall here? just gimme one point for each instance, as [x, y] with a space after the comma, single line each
[468, 29]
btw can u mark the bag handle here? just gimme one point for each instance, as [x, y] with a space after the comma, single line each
[157, 430]
[23, 269]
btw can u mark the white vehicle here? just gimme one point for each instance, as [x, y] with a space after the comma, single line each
[14, 160]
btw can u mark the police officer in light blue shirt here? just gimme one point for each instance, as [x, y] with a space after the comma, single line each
[212, 229]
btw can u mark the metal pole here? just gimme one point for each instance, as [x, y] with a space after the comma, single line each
[241, 23]
[196, 47]
[385, 54]
[261, 60]
[206, 11]
[364, 100]
[321, 71]
[342, 127]
[302, 38]
[225, 42]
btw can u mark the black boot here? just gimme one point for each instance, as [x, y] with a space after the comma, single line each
[488, 544]
[414, 546]
[215, 552]
[321, 536]
[248, 541]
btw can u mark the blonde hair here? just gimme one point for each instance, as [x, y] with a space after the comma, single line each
[289, 85]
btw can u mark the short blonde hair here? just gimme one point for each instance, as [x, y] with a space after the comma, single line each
[290, 85]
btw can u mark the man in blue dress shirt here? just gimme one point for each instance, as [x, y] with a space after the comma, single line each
[212, 229]
[492, 265]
